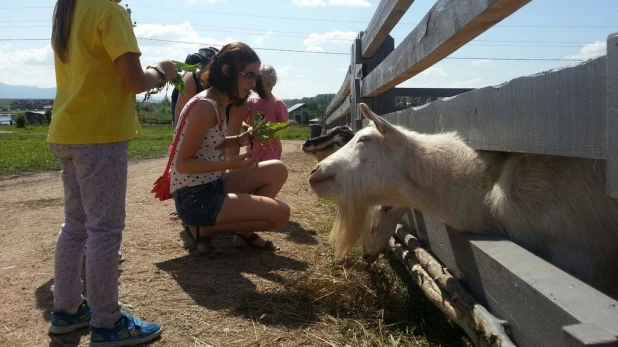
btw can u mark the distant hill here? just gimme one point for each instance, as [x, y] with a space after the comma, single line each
[8, 91]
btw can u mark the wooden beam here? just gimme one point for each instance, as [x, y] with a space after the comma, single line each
[430, 92]
[342, 111]
[559, 112]
[611, 129]
[342, 93]
[537, 299]
[449, 25]
[384, 19]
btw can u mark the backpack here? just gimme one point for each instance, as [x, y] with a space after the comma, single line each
[202, 57]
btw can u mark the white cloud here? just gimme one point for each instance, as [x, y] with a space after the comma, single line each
[346, 3]
[38, 62]
[481, 62]
[284, 71]
[434, 71]
[472, 83]
[315, 49]
[260, 39]
[314, 41]
[590, 51]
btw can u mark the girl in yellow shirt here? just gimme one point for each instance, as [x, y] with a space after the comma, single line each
[98, 73]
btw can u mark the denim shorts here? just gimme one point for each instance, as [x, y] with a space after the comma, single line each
[200, 205]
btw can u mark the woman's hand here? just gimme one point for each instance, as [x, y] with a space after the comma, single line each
[244, 161]
[245, 139]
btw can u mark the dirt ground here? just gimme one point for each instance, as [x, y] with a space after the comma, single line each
[198, 300]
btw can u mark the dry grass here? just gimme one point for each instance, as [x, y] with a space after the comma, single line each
[295, 297]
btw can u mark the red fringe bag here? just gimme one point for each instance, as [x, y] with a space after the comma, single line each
[161, 187]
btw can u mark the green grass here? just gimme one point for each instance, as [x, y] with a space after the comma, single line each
[26, 150]
[297, 132]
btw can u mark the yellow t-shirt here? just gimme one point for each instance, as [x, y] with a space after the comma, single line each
[92, 105]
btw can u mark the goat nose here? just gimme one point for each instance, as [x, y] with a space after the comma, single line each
[316, 168]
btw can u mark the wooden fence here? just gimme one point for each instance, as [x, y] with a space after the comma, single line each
[572, 111]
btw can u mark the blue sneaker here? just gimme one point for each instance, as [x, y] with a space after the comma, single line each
[128, 331]
[63, 323]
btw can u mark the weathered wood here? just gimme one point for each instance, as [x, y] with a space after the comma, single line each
[384, 19]
[356, 70]
[479, 324]
[342, 111]
[430, 92]
[385, 102]
[587, 334]
[612, 116]
[559, 112]
[449, 25]
[342, 93]
[536, 298]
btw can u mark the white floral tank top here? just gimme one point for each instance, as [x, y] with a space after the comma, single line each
[207, 151]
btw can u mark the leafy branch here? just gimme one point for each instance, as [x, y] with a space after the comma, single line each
[267, 130]
[177, 82]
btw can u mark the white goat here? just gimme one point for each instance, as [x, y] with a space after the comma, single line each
[556, 207]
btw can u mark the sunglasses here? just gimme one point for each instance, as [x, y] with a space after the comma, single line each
[250, 76]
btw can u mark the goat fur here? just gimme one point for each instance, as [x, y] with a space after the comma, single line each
[555, 207]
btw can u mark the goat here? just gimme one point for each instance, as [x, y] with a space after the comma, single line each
[555, 207]
[325, 145]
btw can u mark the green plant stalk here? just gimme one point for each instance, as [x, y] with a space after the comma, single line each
[177, 82]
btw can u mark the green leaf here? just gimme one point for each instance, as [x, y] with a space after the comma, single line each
[185, 67]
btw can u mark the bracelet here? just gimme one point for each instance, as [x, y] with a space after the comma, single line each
[159, 72]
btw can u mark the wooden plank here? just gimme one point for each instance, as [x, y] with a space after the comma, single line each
[356, 70]
[611, 128]
[587, 334]
[342, 111]
[342, 93]
[560, 112]
[430, 92]
[449, 25]
[537, 299]
[384, 19]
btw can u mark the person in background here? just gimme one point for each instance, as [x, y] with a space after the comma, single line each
[98, 74]
[193, 83]
[274, 110]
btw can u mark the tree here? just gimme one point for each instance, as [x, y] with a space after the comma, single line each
[48, 116]
[20, 121]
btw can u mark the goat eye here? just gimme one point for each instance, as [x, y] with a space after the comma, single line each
[363, 139]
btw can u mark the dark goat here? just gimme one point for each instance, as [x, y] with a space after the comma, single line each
[325, 145]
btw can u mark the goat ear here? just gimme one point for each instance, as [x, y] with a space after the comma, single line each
[384, 127]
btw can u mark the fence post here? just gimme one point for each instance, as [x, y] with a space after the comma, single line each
[355, 96]
[611, 148]
[381, 104]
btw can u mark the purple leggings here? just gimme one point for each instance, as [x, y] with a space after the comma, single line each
[95, 188]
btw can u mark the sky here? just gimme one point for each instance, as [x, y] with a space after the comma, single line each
[299, 37]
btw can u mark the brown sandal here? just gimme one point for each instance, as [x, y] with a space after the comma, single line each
[250, 241]
[202, 240]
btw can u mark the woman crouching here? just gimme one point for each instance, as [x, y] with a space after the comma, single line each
[207, 199]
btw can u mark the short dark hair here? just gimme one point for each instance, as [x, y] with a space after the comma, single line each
[236, 56]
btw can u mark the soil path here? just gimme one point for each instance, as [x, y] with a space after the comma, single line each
[198, 300]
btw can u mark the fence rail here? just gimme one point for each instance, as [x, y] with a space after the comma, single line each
[571, 111]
